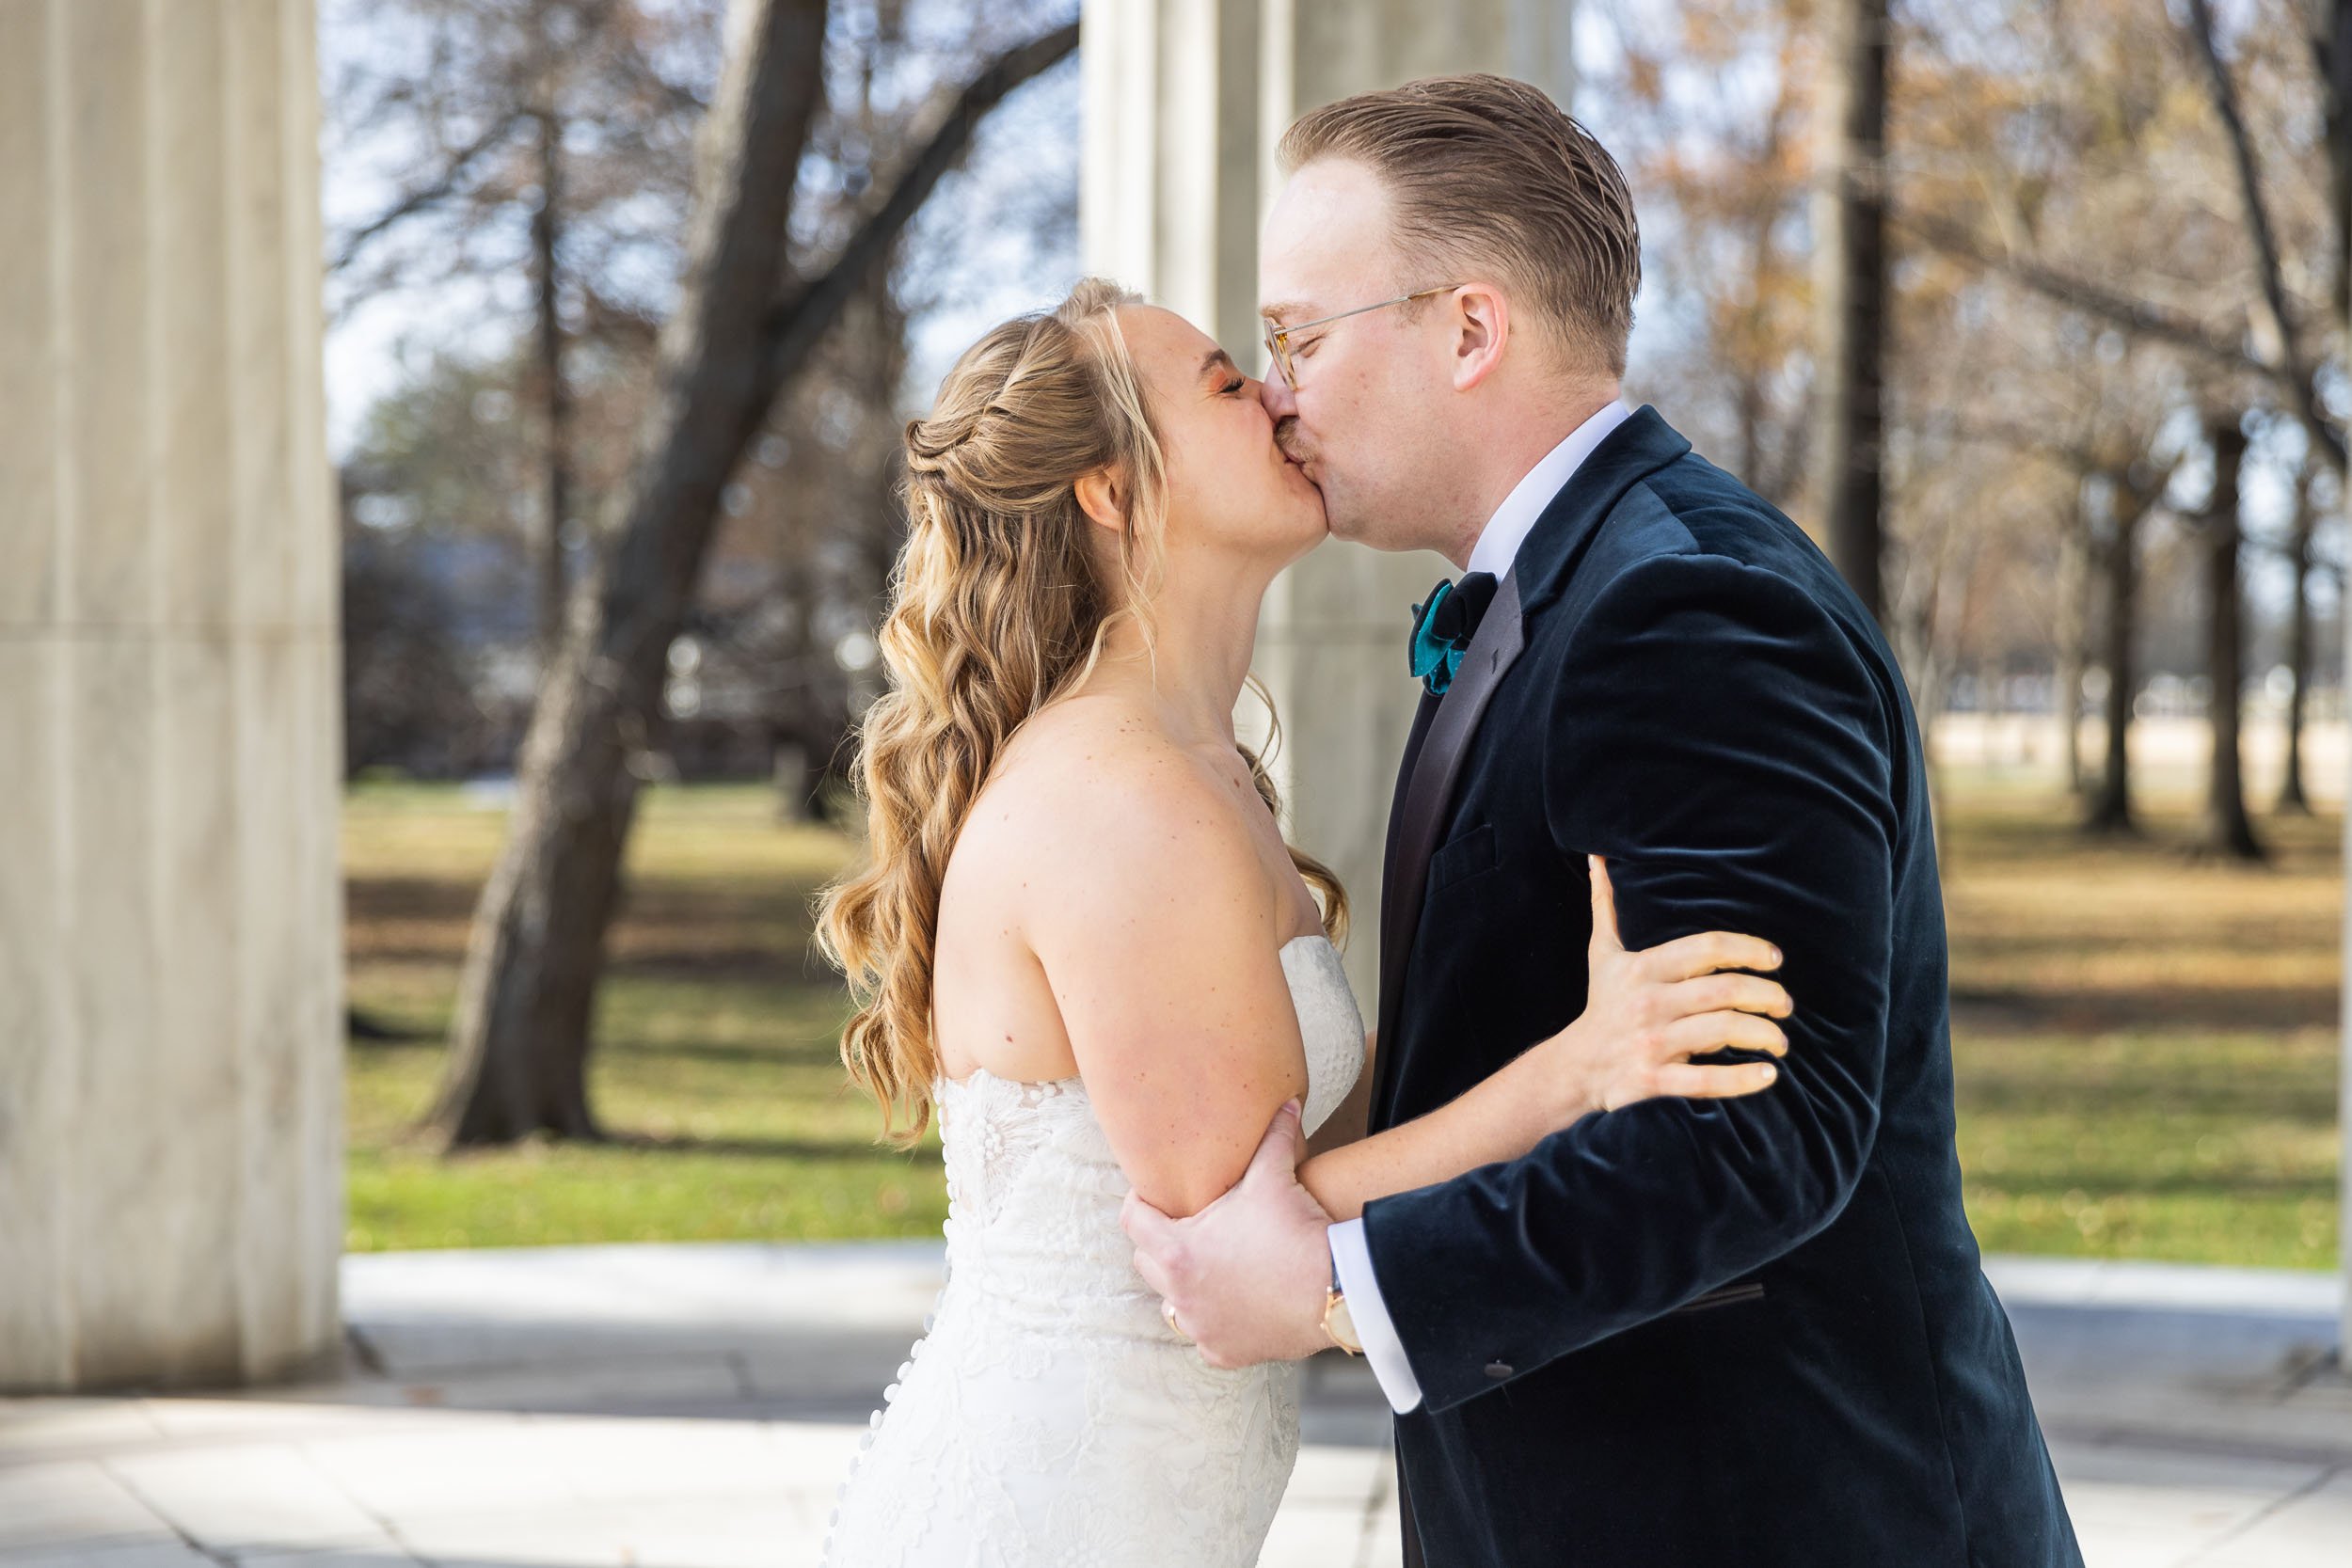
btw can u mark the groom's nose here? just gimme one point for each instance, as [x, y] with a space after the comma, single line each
[1276, 394]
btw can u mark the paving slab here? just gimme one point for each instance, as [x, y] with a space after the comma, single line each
[420, 1313]
[67, 1502]
[2310, 1530]
[247, 1496]
[696, 1407]
[162, 1552]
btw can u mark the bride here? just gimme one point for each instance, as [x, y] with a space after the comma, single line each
[1083, 941]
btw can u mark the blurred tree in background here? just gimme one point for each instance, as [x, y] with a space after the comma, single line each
[440, 179]
[826, 133]
[2103, 222]
[2109, 275]
[542, 148]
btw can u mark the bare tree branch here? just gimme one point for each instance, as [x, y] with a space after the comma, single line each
[2295, 373]
[800, 322]
[614, 321]
[432, 195]
[2139, 317]
[2331, 57]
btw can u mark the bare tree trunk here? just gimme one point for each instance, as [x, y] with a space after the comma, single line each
[2294, 362]
[2074, 650]
[1920, 614]
[2292, 799]
[1748, 414]
[544, 224]
[1850, 299]
[2331, 46]
[2110, 810]
[2228, 831]
[520, 1040]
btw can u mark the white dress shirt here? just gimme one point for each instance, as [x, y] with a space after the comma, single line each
[1498, 546]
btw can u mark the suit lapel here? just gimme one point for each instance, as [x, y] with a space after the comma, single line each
[1432, 769]
[1444, 727]
[1413, 743]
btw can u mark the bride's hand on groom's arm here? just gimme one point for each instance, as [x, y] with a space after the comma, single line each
[1647, 1013]
[1246, 1274]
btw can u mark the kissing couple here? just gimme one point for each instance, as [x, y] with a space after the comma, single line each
[1641, 1198]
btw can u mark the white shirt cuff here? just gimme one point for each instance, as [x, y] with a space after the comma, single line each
[1351, 1258]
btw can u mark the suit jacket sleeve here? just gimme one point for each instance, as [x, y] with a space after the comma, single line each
[1718, 737]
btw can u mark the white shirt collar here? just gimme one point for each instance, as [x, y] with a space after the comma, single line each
[1499, 542]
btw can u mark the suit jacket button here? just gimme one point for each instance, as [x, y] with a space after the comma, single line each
[1498, 1369]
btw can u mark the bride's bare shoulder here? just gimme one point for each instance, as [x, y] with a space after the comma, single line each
[1089, 788]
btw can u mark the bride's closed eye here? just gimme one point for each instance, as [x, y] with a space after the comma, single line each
[1234, 385]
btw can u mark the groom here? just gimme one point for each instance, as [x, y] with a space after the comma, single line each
[1719, 1333]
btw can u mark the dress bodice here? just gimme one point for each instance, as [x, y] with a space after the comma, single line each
[1034, 1190]
[1050, 1417]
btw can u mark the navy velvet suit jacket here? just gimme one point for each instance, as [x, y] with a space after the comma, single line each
[1708, 1333]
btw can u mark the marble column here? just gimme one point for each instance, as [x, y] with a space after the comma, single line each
[1185, 104]
[170, 912]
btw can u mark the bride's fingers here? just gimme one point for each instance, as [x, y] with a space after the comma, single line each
[1689, 1080]
[1605, 938]
[1709, 994]
[1706, 1032]
[1706, 953]
[1284, 1145]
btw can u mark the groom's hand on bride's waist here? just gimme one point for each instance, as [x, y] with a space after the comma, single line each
[1246, 1279]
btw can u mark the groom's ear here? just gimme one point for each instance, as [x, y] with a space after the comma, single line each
[1103, 499]
[1481, 330]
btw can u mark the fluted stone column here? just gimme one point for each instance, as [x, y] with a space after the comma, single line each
[1185, 100]
[170, 913]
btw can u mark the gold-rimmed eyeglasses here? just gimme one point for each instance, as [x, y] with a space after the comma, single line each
[1278, 338]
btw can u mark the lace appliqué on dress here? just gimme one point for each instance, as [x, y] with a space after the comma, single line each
[1049, 1419]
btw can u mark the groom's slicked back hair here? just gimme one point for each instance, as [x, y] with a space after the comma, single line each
[1488, 172]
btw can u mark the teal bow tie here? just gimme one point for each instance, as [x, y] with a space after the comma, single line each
[1443, 625]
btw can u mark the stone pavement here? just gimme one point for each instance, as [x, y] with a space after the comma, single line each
[694, 1406]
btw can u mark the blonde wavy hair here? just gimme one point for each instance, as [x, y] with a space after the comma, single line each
[997, 608]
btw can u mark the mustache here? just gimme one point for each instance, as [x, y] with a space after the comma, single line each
[1286, 437]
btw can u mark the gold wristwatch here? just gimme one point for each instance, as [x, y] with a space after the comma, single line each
[1339, 1326]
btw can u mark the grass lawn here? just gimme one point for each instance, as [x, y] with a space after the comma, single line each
[2146, 1044]
[715, 1065]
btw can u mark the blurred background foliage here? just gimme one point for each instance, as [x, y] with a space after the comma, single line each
[2083, 345]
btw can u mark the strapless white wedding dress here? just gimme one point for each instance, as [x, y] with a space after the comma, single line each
[1049, 1416]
